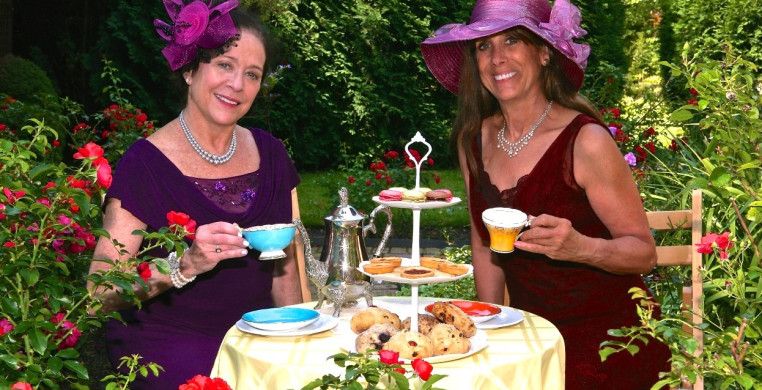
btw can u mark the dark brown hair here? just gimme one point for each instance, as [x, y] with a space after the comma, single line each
[475, 102]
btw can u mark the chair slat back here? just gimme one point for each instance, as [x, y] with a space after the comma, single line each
[684, 255]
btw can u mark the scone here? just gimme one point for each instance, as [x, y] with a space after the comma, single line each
[425, 323]
[450, 314]
[365, 318]
[375, 337]
[447, 339]
[411, 345]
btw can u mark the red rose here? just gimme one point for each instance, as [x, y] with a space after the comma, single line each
[693, 102]
[705, 247]
[648, 133]
[651, 148]
[723, 242]
[423, 368]
[694, 92]
[90, 150]
[144, 270]
[615, 112]
[21, 386]
[183, 220]
[389, 357]
[351, 179]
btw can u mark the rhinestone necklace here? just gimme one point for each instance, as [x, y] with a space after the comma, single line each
[212, 158]
[513, 148]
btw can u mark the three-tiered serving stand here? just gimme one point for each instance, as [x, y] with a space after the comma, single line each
[415, 259]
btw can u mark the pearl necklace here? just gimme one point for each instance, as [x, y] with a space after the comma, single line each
[513, 148]
[212, 158]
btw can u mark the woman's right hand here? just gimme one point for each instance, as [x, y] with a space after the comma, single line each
[214, 242]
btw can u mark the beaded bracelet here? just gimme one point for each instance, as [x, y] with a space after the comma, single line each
[177, 278]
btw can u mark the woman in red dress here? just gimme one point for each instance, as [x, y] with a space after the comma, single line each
[526, 139]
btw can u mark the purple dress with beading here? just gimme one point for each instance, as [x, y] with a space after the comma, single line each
[181, 329]
[581, 301]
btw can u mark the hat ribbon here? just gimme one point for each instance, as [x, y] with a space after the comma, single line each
[563, 26]
[194, 25]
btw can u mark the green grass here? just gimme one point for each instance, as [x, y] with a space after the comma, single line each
[318, 198]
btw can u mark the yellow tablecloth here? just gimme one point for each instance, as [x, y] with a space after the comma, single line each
[528, 355]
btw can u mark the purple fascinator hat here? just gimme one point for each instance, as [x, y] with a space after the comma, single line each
[194, 25]
[558, 26]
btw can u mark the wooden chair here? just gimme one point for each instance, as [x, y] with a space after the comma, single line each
[684, 255]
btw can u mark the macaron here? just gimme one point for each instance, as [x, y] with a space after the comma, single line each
[414, 196]
[390, 195]
[439, 196]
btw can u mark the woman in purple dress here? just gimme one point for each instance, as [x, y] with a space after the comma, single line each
[205, 165]
[526, 139]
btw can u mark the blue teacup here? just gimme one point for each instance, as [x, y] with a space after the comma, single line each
[270, 239]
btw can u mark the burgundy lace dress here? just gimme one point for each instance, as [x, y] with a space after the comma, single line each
[181, 329]
[583, 302]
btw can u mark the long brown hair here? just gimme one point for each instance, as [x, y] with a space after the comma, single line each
[475, 103]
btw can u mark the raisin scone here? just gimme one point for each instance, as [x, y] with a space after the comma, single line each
[450, 314]
[447, 339]
[411, 345]
[375, 337]
[425, 323]
[365, 318]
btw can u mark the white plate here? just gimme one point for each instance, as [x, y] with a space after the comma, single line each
[417, 206]
[440, 276]
[507, 317]
[478, 342]
[401, 305]
[323, 323]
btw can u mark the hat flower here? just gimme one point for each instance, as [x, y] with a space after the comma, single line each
[563, 27]
[192, 26]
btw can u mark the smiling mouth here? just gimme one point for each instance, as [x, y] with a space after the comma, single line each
[226, 100]
[504, 76]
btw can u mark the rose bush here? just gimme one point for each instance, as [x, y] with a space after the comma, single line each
[368, 371]
[710, 141]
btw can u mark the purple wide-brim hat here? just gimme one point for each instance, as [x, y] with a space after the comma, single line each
[558, 26]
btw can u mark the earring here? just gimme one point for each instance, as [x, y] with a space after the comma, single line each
[545, 62]
[187, 80]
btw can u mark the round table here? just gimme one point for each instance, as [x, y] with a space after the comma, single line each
[527, 355]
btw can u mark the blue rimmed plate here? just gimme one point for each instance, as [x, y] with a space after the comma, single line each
[280, 318]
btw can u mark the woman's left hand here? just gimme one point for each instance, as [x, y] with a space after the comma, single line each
[554, 237]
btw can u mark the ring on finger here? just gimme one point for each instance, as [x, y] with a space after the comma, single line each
[218, 249]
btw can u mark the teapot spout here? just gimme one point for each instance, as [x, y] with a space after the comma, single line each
[317, 271]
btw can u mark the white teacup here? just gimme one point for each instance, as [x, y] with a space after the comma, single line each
[505, 226]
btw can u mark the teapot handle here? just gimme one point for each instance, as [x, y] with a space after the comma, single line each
[372, 227]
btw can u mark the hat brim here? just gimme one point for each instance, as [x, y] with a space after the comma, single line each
[443, 53]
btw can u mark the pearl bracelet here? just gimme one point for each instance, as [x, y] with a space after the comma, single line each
[177, 278]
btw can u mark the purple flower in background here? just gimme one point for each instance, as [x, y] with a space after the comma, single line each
[220, 186]
[248, 195]
[630, 158]
[612, 129]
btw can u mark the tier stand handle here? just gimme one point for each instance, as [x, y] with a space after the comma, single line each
[416, 249]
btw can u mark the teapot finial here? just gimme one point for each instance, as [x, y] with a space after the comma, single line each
[343, 197]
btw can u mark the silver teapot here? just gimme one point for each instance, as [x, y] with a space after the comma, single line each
[336, 274]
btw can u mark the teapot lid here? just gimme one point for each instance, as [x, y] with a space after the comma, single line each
[344, 212]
